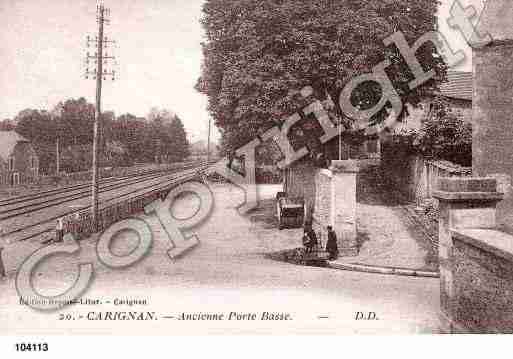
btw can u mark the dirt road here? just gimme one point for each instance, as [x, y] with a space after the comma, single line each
[228, 272]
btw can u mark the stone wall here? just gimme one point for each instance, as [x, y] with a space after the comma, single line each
[413, 177]
[483, 281]
[299, 181]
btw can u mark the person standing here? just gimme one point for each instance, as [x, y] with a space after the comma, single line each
[2, 267]
[59, 230]
[331, 244]
[309, 238]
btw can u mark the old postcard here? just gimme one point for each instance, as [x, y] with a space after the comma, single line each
[222, 167]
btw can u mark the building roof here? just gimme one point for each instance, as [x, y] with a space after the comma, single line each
[458, 85]
[8, 140]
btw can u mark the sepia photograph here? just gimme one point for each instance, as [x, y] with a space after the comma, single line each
[255, 167]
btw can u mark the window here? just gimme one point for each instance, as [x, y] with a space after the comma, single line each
[11, 164]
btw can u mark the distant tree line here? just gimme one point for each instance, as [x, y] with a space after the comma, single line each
[125, 140]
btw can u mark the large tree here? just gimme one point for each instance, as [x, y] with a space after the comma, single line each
[259, 53]
[37, 126]
[71, 122]
[179, 148]
[40, 128]
[167, 136]
[75, 122]
[132, 133]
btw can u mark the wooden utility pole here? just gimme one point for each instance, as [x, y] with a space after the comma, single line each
[340, 139]
[99, 74]
[56, 115]
[97, 116]
[58, 155]
[208, 141]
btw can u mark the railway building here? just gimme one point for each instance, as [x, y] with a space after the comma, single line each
[19, 162]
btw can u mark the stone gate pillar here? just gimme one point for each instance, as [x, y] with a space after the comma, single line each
[492, 106]
[464, 203]
[344, 205]
[335, 204]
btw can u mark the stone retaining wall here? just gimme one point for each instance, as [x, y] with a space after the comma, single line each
[482, 281]
[414, 177]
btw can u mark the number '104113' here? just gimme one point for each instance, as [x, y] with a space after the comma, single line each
[31, 347]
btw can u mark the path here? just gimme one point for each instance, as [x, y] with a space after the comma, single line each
[387, 235]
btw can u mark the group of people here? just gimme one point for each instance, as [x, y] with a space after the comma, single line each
[310, 241]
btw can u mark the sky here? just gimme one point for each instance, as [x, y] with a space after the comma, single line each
[43, 49]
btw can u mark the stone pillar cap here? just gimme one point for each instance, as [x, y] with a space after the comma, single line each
[467, 189]
[344, 166]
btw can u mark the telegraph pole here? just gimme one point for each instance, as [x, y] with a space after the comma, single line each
[56, 115]
[58, 155]
[99, 74]
[340, 139]
[208, 142]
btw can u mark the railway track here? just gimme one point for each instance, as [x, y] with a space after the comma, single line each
[69, 195]
[39, 195]
[154, 182]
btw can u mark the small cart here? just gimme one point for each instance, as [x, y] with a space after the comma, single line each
[290, 211]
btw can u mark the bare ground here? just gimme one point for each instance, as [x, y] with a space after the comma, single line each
[227, 272]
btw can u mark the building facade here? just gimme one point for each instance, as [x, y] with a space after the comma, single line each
[19, 162]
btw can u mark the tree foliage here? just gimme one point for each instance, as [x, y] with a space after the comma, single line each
[124, 140]
[37, 126]
[167, 136]
[259, 53]
[446, 136]
[443, 136]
